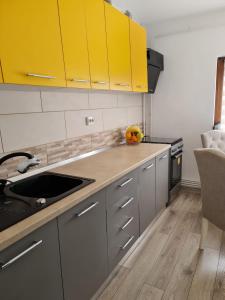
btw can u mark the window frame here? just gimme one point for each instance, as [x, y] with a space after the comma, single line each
[219, 91]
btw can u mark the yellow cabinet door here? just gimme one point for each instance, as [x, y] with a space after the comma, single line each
[31, 48]
[74, 37]
[1, 78]
[97, 48]
[138, 42]
[118, 43]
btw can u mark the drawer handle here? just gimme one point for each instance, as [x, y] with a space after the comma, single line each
[13, 260]
[178, 155]
[127, 243]
[126, 182]
[122, 84]
[163, 157]
[80, 80]
[41, 76]
[128, 202]
[127, 223]
[99, 82]
[149, 167]
[87, 209]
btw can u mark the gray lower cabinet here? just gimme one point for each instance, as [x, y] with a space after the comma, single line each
[83, 247]
[162, 182]
[147, 199]
[30, 269]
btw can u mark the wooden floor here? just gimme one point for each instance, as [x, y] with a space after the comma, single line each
[167, 263]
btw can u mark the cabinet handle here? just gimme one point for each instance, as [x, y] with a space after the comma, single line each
[125, 182]
[127, 243]
[128, 202]
[41, 76]
[80, 80]
[122, 84]
[178, 155]
[149, 167]
[13, 260]
[163, 157]
[87, 209]
[127, 223]
[139, 86]
[99, 82]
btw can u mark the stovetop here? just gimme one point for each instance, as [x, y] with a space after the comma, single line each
[161, 140]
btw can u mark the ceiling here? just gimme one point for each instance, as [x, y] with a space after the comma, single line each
[148, 11]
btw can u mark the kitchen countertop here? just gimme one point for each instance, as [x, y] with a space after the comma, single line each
[104, 167]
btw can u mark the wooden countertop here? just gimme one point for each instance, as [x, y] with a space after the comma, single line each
[104, 167]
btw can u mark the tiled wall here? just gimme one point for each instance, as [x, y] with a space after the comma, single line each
[51, 122]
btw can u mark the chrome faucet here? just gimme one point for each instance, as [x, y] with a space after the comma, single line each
[24, 166]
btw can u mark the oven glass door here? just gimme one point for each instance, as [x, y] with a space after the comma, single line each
[176, 170]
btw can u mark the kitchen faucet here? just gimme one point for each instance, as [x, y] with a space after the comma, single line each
[22, 167]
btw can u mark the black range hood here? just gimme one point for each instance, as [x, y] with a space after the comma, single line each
[155, 66]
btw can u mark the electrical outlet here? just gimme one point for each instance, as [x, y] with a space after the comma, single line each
[89, 121]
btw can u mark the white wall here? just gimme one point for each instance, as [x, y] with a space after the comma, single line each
[183, 104]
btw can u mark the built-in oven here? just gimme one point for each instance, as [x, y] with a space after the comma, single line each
[175, 168]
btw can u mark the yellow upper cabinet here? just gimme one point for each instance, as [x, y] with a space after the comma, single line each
[31, 49]
[1, 78]
[118, 42]
[138, 41]
[74, 37]
[96, 37]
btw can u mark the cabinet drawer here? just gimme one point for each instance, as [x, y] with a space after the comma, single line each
[118, 214]
[121, 188]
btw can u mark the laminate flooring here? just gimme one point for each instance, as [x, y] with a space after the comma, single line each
[166, 263]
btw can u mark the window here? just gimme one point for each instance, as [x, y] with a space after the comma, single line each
[219, 117]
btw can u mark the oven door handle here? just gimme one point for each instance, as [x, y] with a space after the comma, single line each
[178, 155]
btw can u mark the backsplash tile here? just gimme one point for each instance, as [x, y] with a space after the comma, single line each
[78, 146]
[102, 100]
[13, 102]
[114, 118]
[50, 122]
[27, 130]
[76, 126]
[55, 152]
[134, 115]
[64, 100]
[129, 99]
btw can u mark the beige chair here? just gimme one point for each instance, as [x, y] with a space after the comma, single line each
[211, 166]
[214, 139]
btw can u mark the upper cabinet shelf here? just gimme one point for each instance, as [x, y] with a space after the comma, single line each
[31, 49]
[73, 43]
